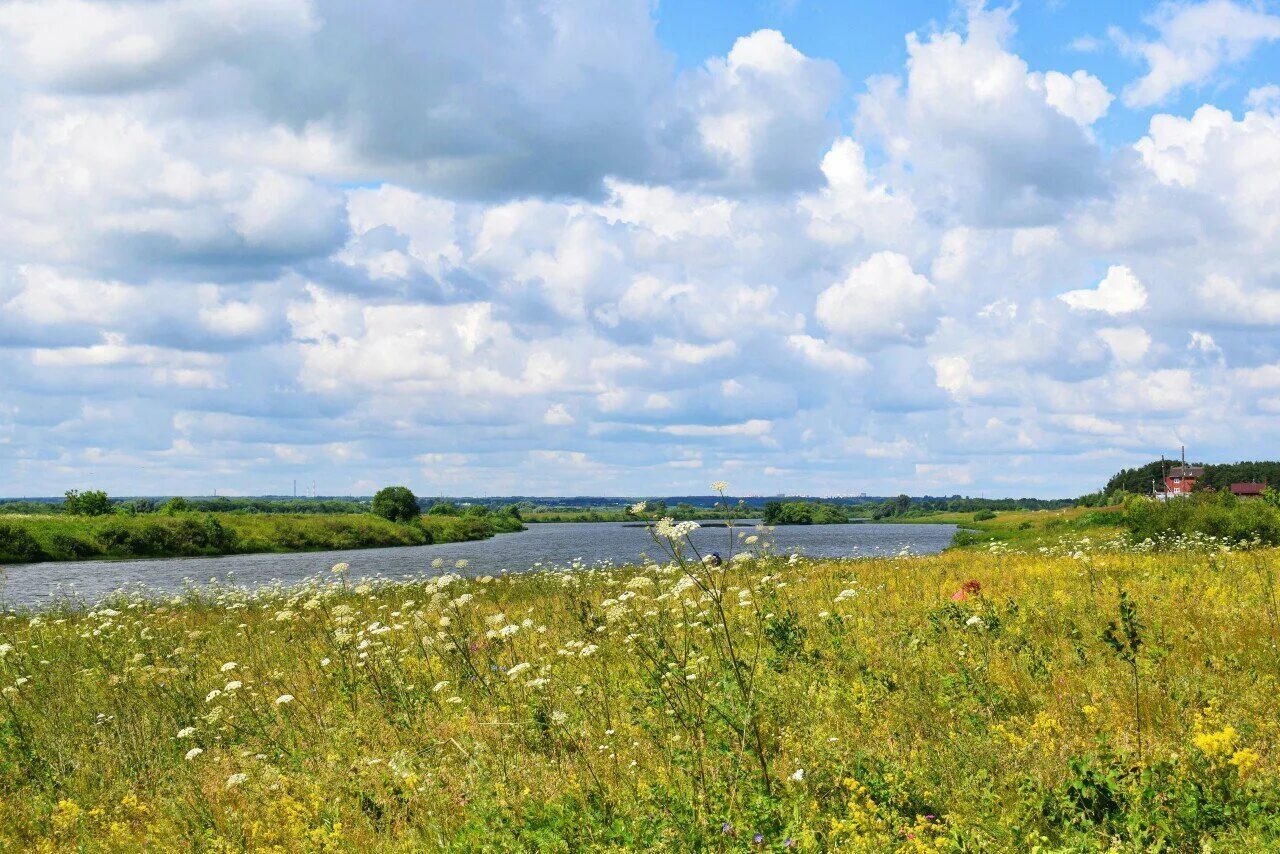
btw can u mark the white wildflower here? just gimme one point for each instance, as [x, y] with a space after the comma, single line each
[284, 699]
[186, 732]
[194, 752]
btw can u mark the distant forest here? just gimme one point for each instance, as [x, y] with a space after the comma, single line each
[1217, 475]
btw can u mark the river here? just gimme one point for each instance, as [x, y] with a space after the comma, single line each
[543, 544]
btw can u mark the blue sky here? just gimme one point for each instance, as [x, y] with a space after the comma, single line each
[632, 248]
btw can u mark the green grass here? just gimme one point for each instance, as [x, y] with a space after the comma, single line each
[967, 701]
[1023, 528]
[39, 538]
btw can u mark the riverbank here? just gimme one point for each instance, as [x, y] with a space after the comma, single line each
[33, 539]
[965, 701]
[1022, 529]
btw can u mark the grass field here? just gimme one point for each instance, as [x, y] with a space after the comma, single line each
[961, 702]
[47, 537]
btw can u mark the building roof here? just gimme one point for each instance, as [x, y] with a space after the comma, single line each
[1248, 488]
[1186, 471]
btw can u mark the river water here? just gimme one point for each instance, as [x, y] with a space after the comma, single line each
[544, 544]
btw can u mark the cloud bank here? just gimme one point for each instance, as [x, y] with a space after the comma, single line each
[510, 248]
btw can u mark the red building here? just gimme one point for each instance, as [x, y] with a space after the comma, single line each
[1182, 479]
[1248, 490]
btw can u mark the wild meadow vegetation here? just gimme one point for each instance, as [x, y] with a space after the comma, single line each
[1071, 697]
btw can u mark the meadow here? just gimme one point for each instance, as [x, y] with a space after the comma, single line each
[1086, 695]
[25, 539]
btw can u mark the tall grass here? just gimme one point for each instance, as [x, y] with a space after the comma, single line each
[960, 702]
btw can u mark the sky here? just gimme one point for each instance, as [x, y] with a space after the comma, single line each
[630, 248]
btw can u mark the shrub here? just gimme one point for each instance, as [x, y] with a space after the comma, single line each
[17, 544]
[396, 503]
[177, 504]
[983, 515]
[63, 546]
[1209, 514]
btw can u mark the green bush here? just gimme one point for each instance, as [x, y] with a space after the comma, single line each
[983, 515]
[1209, 514]
[17, 544]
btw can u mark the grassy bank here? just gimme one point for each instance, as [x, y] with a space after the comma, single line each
[961, 702]
[41, 538]
[1024, 529]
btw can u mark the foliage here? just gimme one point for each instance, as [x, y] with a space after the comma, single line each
[91, 502]
[984, 516]
[29, 508]
[396, 503]
[1219, 476]
[962, 702]
[803, 513]
[182, 534]
[1218, 515]
[17, 545]
[175, 505]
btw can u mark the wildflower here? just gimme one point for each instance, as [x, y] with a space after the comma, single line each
[186, 732]
[975, 620]
[194, 752]
[324, 662]
[437, 563]
[798, 775]
[559, 717]
[461, 563]
[517, 669]
[726, 829]
[5, 649]
[1245, 760]
[233, 685]
[638, 507]
[758, 839]
[213, 695]
[340, 568]
[228, 667]
[719, 486]
[236, 779]
[284, 699]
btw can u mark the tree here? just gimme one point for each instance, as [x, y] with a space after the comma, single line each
[177, 504]
[91, 502]
[396, 503]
